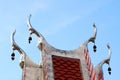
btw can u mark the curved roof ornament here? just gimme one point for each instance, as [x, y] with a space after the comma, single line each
[14, 45]
[92, 39]
[24, 60]
[42, 42]
[31, 29]
[98, 68]
[109, 52]
[108, 59]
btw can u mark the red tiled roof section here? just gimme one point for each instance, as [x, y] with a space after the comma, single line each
[66, 68]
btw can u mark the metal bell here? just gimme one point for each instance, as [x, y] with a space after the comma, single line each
[29, 39]
[94, 48]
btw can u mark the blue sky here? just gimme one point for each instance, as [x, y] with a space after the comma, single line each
[65, 24]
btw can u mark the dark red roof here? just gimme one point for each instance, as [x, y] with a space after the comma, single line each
[66, 68]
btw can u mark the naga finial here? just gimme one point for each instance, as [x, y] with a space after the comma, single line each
[41, 40]
[92, 39]
[109, 51]
[106, 60]
[14, 45]
[31, 29]
[24, 60]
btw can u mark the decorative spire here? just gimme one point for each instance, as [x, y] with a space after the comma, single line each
[32, 30]
[25, 60]
[15, 46]
[92, 39]
[42, 43]
[106, 60]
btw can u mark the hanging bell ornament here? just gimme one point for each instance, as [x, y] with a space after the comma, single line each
[29, 39]
[13, 56]
[109, 70]
[109, 73]
[94, 48]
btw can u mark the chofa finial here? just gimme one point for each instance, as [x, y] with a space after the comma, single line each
[24, 60]
[15, 46]
[92, 39]
[32, 30]
[108, 61]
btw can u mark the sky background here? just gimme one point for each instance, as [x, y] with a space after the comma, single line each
[65, 24]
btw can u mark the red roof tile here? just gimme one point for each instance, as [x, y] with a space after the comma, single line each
[66, 68]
